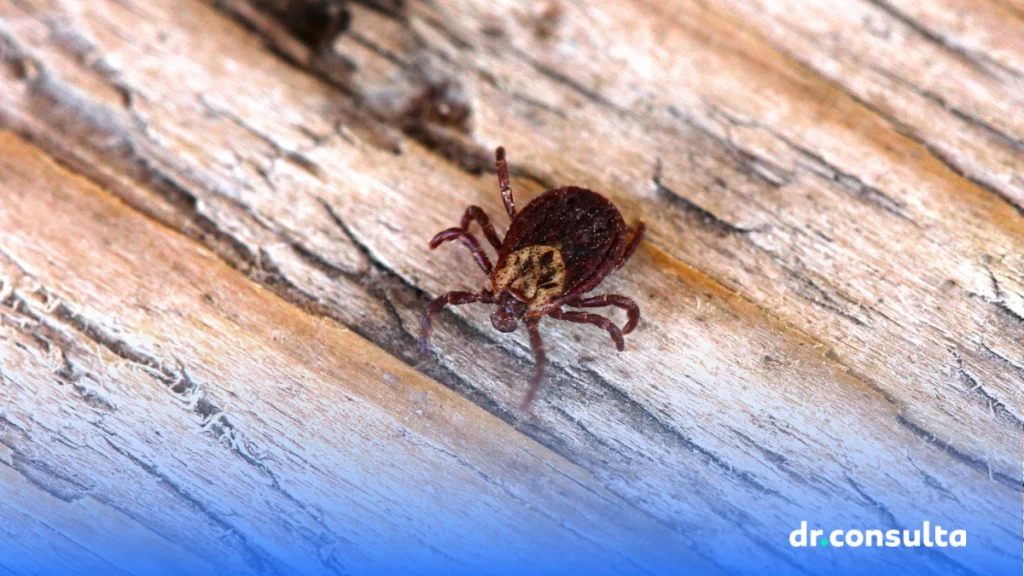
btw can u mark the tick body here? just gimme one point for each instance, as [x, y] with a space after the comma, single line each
[557, 249]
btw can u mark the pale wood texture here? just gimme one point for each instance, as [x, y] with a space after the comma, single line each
[210, 391]
[832, 289]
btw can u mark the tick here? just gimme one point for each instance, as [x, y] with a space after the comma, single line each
[559, 248]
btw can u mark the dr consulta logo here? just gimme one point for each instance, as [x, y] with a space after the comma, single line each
[926, 536]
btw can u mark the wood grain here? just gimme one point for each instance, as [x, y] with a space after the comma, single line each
[834, 194]
[162, 380]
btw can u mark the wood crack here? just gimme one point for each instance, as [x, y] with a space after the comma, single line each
[574, 86]
[1011, 141]
[46, 477]
[975, 60]
[953, 452]
[654, 425]
[699, 213]
[825, 169]
[753, 165]
[902, 129]
[775, 460]
[516, 497]
[258, 559]
[891, 522]
[996, 407]
[193, 396]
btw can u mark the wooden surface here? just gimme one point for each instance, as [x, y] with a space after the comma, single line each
[214, 257]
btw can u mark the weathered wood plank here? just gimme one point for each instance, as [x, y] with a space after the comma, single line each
[954, 89]
[834, 274]
[150, 390]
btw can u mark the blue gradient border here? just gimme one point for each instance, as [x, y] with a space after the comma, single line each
[1004, 553]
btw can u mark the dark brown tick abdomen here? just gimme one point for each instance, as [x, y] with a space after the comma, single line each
[583, 225]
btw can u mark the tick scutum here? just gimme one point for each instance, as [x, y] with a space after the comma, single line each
[583, 227]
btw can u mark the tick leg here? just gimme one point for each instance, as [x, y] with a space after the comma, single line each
[503, 185]
[638, 236]
[541, 362]
[469, 240]
[477, 213]
[632, 310]
[438, 304]
[595, 319]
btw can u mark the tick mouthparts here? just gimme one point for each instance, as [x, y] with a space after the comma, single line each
[503, 321]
